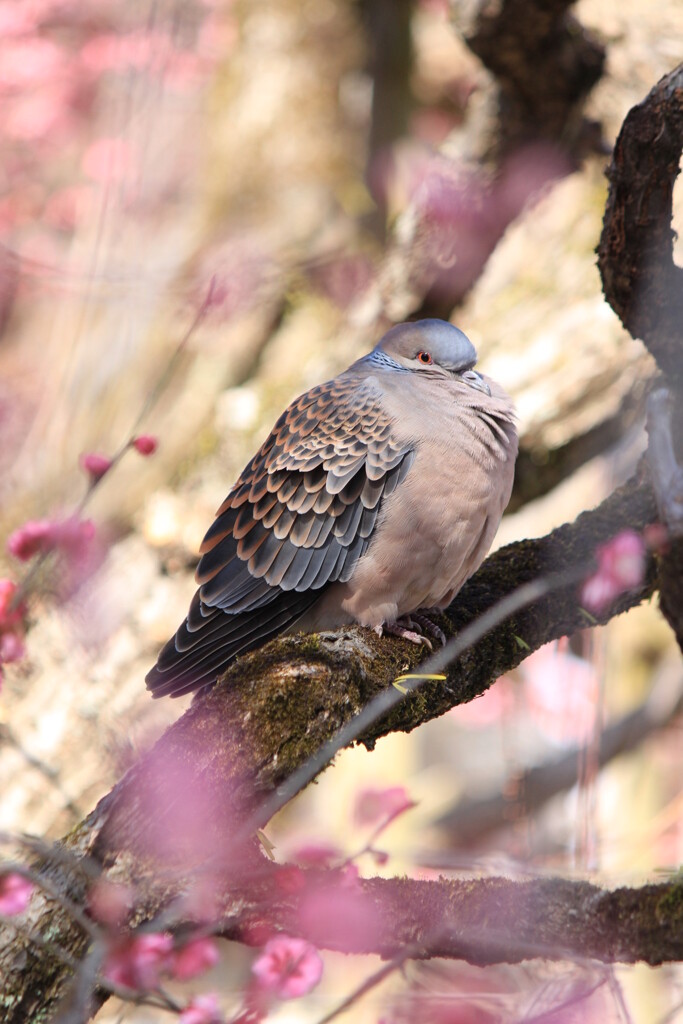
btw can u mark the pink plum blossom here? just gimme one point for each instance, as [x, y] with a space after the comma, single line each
[36, 535]
[202, 1010]
[95, 465]
[377, 803]
[145, 444]
[621, 566]
[194, 958]
[15, 893]
[138, 961]
[72, 537]
[288, 967]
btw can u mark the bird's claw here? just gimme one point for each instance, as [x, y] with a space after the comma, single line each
[423, 620]
[405, 628]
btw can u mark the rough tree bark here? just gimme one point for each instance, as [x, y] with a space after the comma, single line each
[275, 708]
[545, 64]
[644, 286]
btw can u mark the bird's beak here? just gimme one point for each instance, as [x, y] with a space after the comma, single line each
[476, 381]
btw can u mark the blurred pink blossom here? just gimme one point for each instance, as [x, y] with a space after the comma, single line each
[288, 967]
[145, 444]
[334, 911]
[108, 159]
[377, 803]
[72, 536]
[110, 903]
[621, 566]
[29, 61]
[112, 52]
[186, 820]
[342, 279]
[95, 465]
[194, 958]
[36, 535]
[202, 1010]
[236, 273]
[561, 690]
[11, 648]
[15, 893]
[138, 961]
[16, 19]
[39, 116]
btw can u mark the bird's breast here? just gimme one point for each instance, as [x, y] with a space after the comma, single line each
[434, 531]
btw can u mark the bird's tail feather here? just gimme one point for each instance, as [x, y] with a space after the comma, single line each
[225, 636]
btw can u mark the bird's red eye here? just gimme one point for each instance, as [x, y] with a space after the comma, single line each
[424, 358]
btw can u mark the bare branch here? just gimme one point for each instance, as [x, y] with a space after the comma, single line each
[639, 277]
[667, 479]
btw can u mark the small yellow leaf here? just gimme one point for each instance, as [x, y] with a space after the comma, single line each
[521, 643]
[415, 675]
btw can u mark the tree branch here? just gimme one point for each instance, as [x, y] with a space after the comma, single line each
[635, 255]
[483, 921]
[273, 711]
[545, 64]
[275, 708]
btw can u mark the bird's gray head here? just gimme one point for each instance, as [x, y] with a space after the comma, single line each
[433, 347]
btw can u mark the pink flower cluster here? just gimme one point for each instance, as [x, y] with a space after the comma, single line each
[621, 567]
[139, 961]
[15, 893]
[288, 967]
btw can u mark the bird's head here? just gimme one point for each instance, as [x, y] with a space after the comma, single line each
[436, 348]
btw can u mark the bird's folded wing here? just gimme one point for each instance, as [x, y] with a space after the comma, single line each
[298, 519]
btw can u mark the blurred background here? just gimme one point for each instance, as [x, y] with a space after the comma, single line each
[306, 174]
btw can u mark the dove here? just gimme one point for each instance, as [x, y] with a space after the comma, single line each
[373, 499]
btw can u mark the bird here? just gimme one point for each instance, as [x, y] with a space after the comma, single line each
[373, 499]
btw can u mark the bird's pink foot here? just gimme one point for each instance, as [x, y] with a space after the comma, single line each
[424, 621]
[406, 628]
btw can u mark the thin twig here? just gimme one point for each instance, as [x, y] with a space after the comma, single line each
[51, 774]
[372, 982]
[24, 586]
